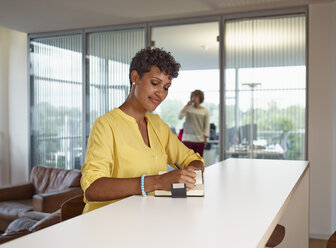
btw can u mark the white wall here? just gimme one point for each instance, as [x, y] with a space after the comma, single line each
[4, 131]
[13, 107]
[18, 106]
[321, 121]
[333, 191]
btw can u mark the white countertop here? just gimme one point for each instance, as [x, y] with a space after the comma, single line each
[244, 199]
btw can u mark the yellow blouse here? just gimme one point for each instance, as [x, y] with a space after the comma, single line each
[116, 149]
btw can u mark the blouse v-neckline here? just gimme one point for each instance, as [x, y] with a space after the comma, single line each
[132, 119]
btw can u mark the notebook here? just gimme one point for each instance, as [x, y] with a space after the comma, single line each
[198, 190]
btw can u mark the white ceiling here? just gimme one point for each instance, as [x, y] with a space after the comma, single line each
[195, 45]
[33, 16]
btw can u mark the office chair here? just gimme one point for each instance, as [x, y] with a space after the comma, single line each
[276, 237]
[72, 207]
[332, 241]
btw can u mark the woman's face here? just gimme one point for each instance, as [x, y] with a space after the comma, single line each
[152, 88]
[195, 99]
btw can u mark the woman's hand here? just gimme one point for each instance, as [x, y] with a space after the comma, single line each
[187, 176]
[196, 165]
[184, 110]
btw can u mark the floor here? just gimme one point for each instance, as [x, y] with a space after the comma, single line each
[317, 243]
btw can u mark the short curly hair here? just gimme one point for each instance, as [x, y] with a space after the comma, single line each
[198, 93]
[147, 57]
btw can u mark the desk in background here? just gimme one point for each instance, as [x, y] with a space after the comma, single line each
[244, 200]
[257, 153]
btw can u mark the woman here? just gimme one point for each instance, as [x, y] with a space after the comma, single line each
[128, 146]
[196, 127]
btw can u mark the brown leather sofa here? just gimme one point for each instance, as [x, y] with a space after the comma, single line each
[47, 190]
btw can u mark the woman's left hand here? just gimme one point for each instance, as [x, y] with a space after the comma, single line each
[196, 165]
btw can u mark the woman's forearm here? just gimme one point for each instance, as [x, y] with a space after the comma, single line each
[108, 189]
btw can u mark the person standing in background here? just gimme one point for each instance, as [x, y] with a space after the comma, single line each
[196, 127]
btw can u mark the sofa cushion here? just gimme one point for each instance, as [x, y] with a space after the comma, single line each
[22, 223]
[35, 215]
[10, 211]
[49, 220]
[28, 223]
[47, 179]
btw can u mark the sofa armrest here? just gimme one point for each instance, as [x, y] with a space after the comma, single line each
[16, 192]
[50, 202]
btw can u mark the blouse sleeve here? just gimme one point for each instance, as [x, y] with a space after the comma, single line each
[181, 115]
[177, 151]
[99, 154]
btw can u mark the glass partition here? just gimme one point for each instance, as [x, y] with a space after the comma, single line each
[108, 57]
[56, 101]
[265, 89]
[264, 68]
[196, 48]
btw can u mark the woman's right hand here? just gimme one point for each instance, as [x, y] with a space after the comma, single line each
[184, 110]
[187, 176]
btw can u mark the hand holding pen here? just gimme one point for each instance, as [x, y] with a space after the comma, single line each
[187, 176]
[189, 167]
